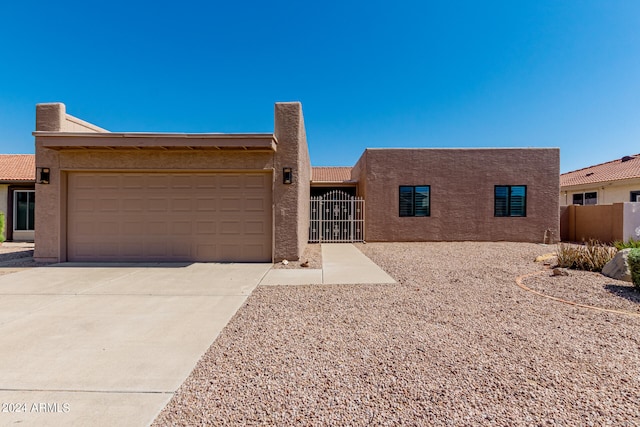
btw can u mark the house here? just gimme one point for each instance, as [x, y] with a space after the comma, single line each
[616, 181]
[600, 202]
[17, 195]
[121, 196]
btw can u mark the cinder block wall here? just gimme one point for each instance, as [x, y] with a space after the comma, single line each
[462, 193]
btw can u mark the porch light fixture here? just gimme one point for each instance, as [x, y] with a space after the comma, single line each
[42, 175]
[287, 176]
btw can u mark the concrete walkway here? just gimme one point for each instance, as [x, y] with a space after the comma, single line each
[342, 263]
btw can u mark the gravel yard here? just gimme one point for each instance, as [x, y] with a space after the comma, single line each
[455, 342]
[15, 256]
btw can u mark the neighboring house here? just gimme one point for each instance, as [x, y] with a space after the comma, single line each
[115, 196]
[616, 181]
[595, 202]
[17, 195]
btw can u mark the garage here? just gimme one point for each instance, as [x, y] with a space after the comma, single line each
[170, 197]
[169, 216]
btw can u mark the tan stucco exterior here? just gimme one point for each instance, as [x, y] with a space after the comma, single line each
[462, 193]
[65, 144]
[608, 192]
[4, 190]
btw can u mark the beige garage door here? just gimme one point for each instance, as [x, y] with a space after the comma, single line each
[169, 217]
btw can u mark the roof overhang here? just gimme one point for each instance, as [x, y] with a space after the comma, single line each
[156, 141]
[17, 181]
[333, 183]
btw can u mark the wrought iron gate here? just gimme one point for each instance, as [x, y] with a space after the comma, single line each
[336, 217]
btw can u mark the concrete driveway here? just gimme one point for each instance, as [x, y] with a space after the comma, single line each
[109, 344]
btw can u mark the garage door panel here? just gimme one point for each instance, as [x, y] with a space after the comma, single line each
[204, 182]
[108, 182]
[181, 204]
[84, 205]
[132, 205]
[206, 204]
[231, 204]
[255, 204]
[254, 227]
[157, 182]
[133, 181]
[109, 205]
[131, 249]
[230, 227]
[157, 228]
[205, 227]
[206, 252]
[169, 217]
[230, 181]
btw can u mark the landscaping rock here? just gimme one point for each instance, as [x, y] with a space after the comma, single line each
[618, 267]
[560, 272]
[545, 257]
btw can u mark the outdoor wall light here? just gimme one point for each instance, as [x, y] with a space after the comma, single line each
[287, 176]
[42, 175]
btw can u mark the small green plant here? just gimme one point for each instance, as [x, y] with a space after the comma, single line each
[634, 265]
[592, 256]
[1, 227]
[631, 243]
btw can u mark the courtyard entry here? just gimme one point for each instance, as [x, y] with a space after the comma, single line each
[336, 217]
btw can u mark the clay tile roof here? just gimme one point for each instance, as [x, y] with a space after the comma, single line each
[17, 167]
[330, 174]
[625, 168]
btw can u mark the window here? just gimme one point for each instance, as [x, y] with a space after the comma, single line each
[415, 200]
[590, 198]
[23, 205]
[510, 200]
[635, 196]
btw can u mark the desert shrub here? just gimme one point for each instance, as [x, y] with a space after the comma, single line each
[1, 227]
[634, 266]
[631, 243]
[591, 256]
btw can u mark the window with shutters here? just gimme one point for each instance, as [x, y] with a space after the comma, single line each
[510, 200]
[415, 200]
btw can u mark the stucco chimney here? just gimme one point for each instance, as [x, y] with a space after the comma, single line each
[50, 116]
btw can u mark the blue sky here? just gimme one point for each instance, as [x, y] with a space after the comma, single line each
[543, 73]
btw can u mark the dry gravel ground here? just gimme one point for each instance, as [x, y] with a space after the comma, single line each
[455, 342]
[312, 255]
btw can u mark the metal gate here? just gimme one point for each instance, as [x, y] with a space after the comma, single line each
[336, 217]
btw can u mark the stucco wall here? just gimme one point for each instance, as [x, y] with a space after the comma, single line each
[608, 192]
[631, 221]
[4, 191]
[291, 201]
[462, 193]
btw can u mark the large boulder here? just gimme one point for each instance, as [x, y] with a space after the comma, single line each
[618, 267]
